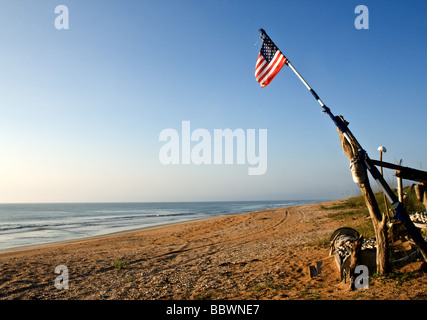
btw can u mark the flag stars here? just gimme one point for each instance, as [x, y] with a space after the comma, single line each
[270, 61]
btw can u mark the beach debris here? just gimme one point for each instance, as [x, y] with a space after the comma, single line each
[339, 238]
[369, 244]
[419, 217]
[341, 246]
[314, 271]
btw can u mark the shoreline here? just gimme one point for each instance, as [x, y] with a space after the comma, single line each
[106, 236]
[138, 229]
[263, 254]
[88, 238]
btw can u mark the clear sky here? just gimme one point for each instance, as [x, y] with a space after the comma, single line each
[81, 109]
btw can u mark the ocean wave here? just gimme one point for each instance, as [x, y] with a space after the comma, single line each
[87, 221]
[26, 224]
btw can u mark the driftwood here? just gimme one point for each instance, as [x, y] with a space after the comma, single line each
[349, 249]
[400, 189]
[421, 193]
[379, 221]
[340, 248]
[404, 172]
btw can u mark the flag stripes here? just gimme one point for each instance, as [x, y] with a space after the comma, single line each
[270, 61]
[266, 71]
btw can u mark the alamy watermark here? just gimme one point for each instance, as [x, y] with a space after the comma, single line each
[62, 20]
[61, 281]
[362, 20]
[361, 272]
[223, 146]
[362, 280]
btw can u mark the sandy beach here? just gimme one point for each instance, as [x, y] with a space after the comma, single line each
[256, 255]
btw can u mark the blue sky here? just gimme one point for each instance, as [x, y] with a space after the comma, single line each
[81, 109]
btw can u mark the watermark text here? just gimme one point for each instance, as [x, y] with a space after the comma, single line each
[223, 146]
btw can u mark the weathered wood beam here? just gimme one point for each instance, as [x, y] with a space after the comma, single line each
[408, 175]
[403, 172]
[378, 220]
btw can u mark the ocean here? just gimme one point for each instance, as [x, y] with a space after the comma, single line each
[31, 224]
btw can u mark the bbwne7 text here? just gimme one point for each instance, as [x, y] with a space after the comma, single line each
[234, 309]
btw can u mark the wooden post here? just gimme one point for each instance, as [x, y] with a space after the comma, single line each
[378, 220]
[421, 193]
[399, 189]
[385, 198]
[399, 186]
[424, 195]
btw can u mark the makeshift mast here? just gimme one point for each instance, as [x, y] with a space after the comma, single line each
[362, 158]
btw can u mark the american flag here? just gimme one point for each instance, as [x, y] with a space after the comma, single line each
[270, 61]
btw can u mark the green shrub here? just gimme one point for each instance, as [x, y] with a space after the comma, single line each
[121, 264]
